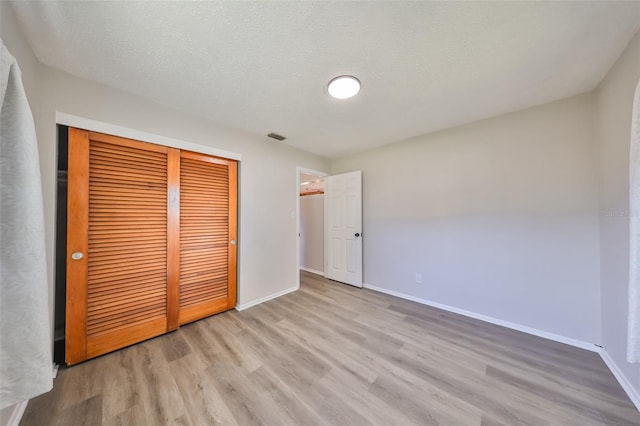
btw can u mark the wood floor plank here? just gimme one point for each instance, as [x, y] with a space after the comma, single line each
[332, 354]
[235, 349]
[174, 347]
[290, 407]
[591, 408]
[248, 407]
[119, 394]
[85, 413]
[203, 403]
[338, 359]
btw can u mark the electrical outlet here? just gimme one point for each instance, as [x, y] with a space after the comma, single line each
[418, 278]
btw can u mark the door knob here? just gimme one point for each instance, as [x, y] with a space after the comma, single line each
[77, 255]
[357, 234]
[233, 242]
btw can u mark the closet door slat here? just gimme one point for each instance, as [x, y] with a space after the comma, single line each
[119, 286]
[109, 156]
[208, 206]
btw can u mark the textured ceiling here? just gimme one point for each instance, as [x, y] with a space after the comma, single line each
[263, 66]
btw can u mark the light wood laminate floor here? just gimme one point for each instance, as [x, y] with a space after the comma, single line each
[333, 354]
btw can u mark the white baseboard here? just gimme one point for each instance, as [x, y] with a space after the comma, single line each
[540, 333]
[244, 306]
[16, 415]
[313, 271]
[632, 392]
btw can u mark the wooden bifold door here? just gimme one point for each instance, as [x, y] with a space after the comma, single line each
[151, 241]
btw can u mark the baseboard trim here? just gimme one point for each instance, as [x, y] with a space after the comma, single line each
[16, 415]
[244, 306]
[313, 271]
[632, 392]
[529, 330]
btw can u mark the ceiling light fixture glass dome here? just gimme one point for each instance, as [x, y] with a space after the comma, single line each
[344, 86]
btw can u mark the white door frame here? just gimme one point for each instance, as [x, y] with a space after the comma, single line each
[298, 171]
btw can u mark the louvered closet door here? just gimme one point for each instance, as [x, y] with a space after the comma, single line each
[117, 243]
[208, 215]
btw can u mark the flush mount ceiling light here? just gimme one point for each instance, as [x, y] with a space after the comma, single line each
[344, 86]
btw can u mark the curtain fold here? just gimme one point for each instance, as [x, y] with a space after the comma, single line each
[633, 329]
[25, 333]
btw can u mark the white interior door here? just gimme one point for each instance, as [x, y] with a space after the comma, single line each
[343, 228]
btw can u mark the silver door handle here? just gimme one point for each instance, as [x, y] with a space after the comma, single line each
[77, 255]
[232, 242]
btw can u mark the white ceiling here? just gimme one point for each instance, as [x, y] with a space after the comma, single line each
[263, 66]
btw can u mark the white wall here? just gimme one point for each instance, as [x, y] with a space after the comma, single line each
[312, 232]
[500, 217]
[614, 105]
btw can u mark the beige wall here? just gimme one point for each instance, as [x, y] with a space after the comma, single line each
[268, 173]
[312, 232]
[500, 217]
[15, 41]
[614, 100]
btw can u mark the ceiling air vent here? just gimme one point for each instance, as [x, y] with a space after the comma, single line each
[276, 136]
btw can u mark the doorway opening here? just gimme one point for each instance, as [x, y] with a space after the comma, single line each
[60, 292]
[310, 229]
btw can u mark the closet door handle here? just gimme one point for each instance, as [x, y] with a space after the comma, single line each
[77, 255]
[232, 242]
